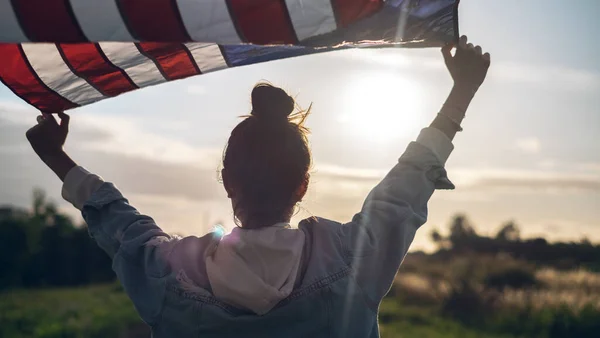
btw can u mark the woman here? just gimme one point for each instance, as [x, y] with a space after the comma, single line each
[322, 279]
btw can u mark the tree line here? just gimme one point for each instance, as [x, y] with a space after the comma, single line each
[464, 239]
[43, 247]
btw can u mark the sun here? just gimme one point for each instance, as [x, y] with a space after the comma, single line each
[381, 107]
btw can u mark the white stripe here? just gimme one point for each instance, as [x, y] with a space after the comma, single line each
[10, 30]
[141, 70]
[54, 72]
[208, 56]
[311, 18]
[100, 20]
[208, 21]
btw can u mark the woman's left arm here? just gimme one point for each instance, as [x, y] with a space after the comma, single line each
[379, 236]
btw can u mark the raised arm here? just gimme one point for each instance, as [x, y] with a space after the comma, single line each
[378, 237]
[138, 247]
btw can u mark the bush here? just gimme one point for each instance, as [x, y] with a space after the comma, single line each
[513, 277]
[468, 303]
[550, 322]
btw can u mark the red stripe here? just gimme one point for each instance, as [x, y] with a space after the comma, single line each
[263, 21]
[48, 20]
[156, 20]
[17, 75]
[87, 62]
[173, 59]
[350, 11]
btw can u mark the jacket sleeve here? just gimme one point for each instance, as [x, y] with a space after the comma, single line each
[138, 247]
[378, 237]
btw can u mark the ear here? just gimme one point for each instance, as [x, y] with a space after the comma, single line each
[301, 191]
[226, 183]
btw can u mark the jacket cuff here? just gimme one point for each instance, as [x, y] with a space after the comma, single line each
[436, 141]
[79, 185]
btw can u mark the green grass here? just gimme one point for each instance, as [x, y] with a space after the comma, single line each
[96, 311]
[400, 321]
[105, 311]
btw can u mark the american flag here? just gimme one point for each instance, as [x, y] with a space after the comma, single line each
[61, 54]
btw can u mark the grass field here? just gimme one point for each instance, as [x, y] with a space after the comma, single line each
[496, 297]
[105, 311]
[96, 311]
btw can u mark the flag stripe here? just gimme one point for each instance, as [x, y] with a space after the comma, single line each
[208, 21]
[141, 70]
[252, 18]
[158, 21]
[10, 30]
[349, 11]
[89, 62]
[74, 70]
[311, 18]
[208, 56]
[24, 82]
[153, 59]
[48, 20]
[225, 56]
[47, 62]
[173, 59]
[100, 20]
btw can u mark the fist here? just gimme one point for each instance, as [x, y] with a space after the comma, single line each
[468, 66]
[48, 137]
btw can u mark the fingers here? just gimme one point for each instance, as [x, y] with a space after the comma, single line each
[462, 42]
[64, 120]
[447, 53]
[464, 47]
[487, 58]
[49, 118]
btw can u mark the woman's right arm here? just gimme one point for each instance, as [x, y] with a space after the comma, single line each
[377, 239]
[138, 247]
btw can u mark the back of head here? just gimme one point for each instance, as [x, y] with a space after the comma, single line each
[267, 159]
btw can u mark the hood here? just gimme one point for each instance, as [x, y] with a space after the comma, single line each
[255, 269]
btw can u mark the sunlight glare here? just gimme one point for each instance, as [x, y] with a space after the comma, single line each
[381, 107]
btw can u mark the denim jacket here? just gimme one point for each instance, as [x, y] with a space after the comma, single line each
[344, 272]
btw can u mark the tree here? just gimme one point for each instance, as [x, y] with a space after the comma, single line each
[43, 247]
[509, 232]
[436, 237]
[461, 229]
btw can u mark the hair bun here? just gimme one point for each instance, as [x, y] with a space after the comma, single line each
[272, 103]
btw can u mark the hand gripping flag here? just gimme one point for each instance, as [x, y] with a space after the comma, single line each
[61, 54]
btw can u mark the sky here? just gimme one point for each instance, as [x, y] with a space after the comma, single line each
[530, 150]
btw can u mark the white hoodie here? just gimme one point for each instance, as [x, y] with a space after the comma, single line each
[255, 269]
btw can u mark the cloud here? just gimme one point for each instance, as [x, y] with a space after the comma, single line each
[356, 183]
[515, 185]
[125, 136]
[506, 180]
[140, 162]
[547, 163]
[565, 78]
[529, 144]
[329, 171]
[589, 167]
